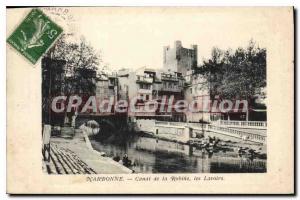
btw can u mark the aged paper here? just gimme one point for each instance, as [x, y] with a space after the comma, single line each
[151, 100]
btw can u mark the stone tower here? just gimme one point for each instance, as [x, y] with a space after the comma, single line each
[180, 59]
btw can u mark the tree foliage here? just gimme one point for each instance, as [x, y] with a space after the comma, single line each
[239, 74]
[81, 62]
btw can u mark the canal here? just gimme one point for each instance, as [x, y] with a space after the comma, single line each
[151, 155]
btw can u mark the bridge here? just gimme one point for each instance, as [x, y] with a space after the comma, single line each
[109, 121]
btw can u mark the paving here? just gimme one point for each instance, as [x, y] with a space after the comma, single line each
[75, 156]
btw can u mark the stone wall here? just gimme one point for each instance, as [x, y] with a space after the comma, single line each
[145, 125]
[170, 132]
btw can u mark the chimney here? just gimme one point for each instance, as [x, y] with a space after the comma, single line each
[177, 44]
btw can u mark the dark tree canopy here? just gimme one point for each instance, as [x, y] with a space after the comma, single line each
[239, 74]
[82, 62]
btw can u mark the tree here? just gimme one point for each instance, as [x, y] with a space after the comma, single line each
[78, 75]
[82, 61]
[235, 75]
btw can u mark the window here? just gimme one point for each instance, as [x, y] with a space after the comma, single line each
[145, 86]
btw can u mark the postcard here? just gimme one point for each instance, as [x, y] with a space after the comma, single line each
[150, 100]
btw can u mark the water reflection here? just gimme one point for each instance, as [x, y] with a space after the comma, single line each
[150, 155]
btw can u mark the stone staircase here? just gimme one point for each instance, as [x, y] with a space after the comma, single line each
[64, 161]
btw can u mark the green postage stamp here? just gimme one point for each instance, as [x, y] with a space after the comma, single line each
[34, 35]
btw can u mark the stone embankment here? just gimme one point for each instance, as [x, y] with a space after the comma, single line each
[75, 155]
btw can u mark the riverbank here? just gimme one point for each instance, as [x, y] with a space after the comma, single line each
[153, 155]
[77, 156]
[185, 132]
[224, 143]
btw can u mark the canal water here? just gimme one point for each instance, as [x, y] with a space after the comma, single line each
[151, 155]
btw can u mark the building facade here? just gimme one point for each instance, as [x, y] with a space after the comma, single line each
[106, 92]
[169, 87]
[197, 95]
[152, 89]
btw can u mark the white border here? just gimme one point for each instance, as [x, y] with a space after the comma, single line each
[106, 3]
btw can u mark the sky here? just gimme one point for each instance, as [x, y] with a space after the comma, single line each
[134, 37]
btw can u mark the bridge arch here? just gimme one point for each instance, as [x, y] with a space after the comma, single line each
[109, 122]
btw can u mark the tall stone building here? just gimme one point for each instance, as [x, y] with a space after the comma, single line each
[180, 59]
